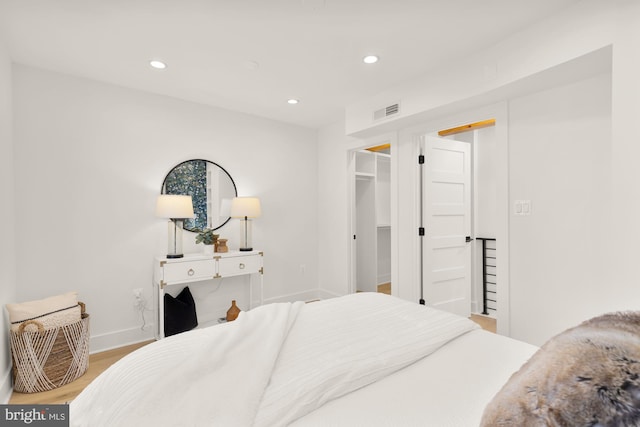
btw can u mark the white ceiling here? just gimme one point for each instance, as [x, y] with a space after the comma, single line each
[306, 49]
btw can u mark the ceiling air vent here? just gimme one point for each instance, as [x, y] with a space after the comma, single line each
[386, 112]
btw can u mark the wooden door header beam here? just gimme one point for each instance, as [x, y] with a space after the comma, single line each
[379, 147]
[467, 128]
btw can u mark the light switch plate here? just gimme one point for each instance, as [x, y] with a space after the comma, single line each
[522, 207]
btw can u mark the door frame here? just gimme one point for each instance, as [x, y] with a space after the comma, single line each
[407, 282]
[390, 138]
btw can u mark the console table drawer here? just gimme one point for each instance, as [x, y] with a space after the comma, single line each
[235, 266]
[189, 271]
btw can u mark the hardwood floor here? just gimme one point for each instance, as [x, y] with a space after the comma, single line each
[485, 322]
[385, 288]
[97, 364]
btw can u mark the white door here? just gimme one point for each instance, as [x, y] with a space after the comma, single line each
[447, 223]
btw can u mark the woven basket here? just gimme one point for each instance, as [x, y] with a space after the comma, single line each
[47, 359]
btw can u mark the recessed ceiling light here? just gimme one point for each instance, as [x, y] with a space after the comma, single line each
[158, 64]
[293, 101]
[370, 59]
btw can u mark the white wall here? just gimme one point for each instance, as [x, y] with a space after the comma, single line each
[89, 162]
[621, 285]
[485, 182]
[7, 217]
[523, 64]
[560, 159]
[333, 220]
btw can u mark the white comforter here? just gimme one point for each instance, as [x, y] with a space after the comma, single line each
[274, 364]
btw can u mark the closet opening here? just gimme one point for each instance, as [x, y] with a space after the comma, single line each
[371, 219]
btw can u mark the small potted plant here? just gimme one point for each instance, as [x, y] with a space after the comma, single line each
[207, 238]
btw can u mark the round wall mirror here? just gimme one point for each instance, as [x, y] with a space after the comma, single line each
[211, 188]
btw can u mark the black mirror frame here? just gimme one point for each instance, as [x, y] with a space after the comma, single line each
[164, 181]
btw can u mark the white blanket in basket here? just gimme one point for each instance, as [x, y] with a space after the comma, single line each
[271, 366]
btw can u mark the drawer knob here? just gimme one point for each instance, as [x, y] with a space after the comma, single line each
[191, 272]
[241, 266]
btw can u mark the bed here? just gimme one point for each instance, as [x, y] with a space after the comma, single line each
[365, 359]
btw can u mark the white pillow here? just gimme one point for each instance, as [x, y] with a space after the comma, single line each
[51, 312]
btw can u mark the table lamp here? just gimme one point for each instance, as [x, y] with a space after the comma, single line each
[176, 208]
[245, 208]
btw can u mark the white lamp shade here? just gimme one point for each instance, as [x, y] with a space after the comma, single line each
[174, 206]
[242, 207]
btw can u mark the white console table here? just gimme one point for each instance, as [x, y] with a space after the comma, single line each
[196, 268]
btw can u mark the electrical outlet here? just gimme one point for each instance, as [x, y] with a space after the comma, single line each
[140, 304]
[138, 298]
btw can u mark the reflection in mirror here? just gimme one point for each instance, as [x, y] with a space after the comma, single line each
[209, 185]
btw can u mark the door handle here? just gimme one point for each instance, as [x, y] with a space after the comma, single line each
[468, 239]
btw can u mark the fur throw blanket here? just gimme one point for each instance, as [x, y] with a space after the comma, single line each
[588, 375]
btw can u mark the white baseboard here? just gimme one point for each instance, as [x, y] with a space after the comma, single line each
[310, 295]
[298, 296]
[121, 338]
[6, 388]
[381, 280]
[475, 307]
[324, 294]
